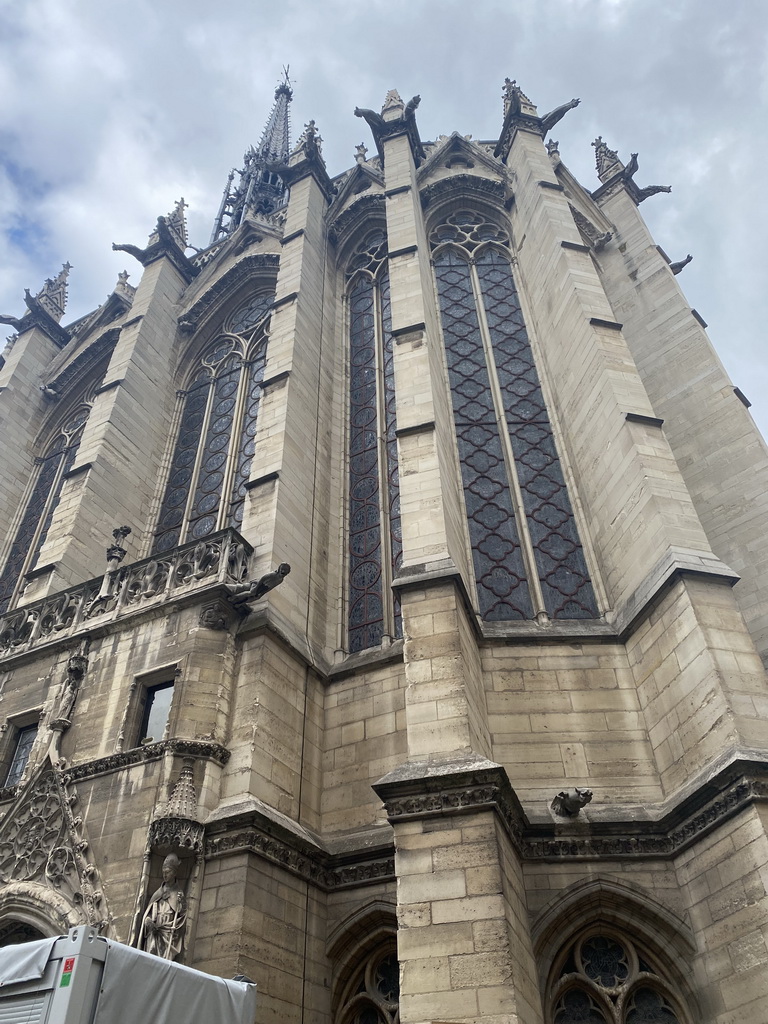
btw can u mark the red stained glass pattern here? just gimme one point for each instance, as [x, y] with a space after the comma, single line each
[560, 563]
[500, 574]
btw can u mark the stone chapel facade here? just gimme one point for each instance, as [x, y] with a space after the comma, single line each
[429, 636]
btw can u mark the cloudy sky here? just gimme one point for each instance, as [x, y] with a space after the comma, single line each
[109, 111]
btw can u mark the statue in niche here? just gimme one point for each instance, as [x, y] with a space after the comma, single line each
[162, 927]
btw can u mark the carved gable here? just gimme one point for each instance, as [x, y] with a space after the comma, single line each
[43, 841]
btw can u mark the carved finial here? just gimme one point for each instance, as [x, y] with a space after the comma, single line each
[361, 153]
[569, 802]
[309, 142]
[177, 223]
[53, 295]
[392, 103]
[183, 800]
[515, 99]
[123, 288]
[606, 160]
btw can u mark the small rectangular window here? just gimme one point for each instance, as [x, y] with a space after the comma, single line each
[154, 715]
[24, 739]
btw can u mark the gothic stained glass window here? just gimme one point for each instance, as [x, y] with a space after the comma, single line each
[216, 441]
[526, 551]
[603, 978]
[374, 493]
[36, 519]
[372, 996]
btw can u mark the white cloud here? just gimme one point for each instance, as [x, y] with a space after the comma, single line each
[109, 111]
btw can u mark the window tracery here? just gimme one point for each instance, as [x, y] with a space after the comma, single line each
[604, 978]
[527, 556]
[216, 439]
[375, 553]
[372, 997]
[43, 500]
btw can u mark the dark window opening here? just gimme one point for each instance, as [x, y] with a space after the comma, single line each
[155, 712]
[24, 740]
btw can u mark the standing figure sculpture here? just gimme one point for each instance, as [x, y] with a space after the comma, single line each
[162, 927]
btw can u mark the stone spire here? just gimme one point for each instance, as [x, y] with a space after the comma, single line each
[607, 160]
[53, 295]
[183, 799]
[259, 189]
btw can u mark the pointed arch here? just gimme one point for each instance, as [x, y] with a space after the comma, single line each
[657, 950]
[215, 440]
[60, 441]
[526, 552]
[363, 950]
[375, 540]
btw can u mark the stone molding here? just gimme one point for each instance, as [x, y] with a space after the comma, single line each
[227, 283]
[297, 854]
[85, 362]
[360, 211]
[485, 786]
[149, 752]
[447, 187]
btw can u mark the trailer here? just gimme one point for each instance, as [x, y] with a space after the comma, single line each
[83, 978]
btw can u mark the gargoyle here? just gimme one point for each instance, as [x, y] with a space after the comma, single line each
[677, 267]
[12, 321]
[549, 120]
[258, 588]
[569, 802]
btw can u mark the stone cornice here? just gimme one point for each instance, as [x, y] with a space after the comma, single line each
[242, 270]
[300, 854]
[142, 755]
[468, 789]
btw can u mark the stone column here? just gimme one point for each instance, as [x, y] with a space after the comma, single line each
[119, 461]
[288, 510]
[445, 700]
[463, 939]
[719, 450]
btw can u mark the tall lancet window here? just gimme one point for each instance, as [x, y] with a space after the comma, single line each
[375, 541]
[527, 557]
[217, 431]
[43, 499]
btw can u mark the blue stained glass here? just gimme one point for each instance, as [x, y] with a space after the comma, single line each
[502, 586]
[366, 612]
[560, 562]
[390, 426]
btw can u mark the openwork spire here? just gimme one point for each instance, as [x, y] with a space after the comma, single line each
[259, 190]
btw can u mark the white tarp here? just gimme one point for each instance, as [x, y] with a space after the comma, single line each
[140, 987]
[25, 961]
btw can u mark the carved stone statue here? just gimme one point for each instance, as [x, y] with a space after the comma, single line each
[569, 802]
[162, 927]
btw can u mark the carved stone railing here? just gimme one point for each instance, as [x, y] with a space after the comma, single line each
[220, 558]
